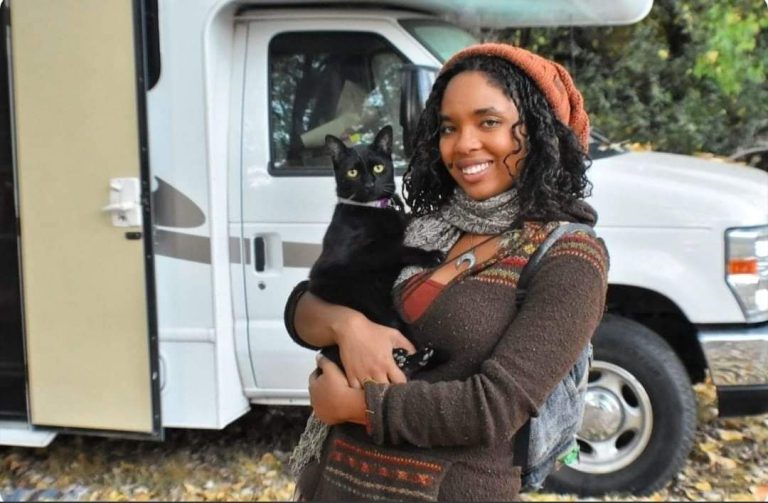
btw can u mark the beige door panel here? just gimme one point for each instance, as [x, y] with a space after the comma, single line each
[84, 281]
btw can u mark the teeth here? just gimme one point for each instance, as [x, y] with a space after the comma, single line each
[476, 168]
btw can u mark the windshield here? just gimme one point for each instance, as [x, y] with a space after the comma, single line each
[443, 40]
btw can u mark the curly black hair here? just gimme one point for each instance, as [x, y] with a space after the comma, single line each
[553, 174]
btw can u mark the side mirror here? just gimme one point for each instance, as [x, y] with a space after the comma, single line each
[416, 83]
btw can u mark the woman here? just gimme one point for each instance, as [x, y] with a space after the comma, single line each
[500, 161]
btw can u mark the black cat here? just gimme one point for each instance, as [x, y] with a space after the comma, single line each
[363, 249]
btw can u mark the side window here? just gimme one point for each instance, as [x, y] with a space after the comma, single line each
[342, 83]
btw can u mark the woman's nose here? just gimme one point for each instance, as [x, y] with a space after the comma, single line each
[467, 141]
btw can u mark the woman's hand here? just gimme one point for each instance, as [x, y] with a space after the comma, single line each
[333, 401]
[365, 347]
[366, 351]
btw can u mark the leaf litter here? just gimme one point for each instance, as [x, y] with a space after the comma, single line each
[247, 461]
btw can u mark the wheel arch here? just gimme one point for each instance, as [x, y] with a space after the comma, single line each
[660, 314]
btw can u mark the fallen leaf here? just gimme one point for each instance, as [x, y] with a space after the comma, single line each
[741, 497]
[758, 433]
[114, 495]
[760, 492]
[722, 461]
[708, 447]
[691, 495]
[706, 391]
[703, 486]
[270, 459]
[730, 435]
[14, 464]
[191, 488]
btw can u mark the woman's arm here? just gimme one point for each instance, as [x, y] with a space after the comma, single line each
[365, 347]
[318, 323]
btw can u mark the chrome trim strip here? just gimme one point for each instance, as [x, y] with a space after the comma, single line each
[193, 248]
[300, 254]
[736, 356]
[198, 249]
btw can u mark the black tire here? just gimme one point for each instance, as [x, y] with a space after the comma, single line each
[638, 351]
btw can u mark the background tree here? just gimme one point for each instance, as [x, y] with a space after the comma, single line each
[690, 77]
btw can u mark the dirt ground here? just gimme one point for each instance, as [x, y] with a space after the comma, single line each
[247, 462]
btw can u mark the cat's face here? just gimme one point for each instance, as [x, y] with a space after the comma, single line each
[364, 173]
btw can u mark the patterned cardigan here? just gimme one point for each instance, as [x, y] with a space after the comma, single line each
[448, 433]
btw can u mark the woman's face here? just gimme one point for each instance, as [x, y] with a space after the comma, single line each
[476, 141]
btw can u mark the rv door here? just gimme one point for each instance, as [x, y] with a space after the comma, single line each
[78, 86]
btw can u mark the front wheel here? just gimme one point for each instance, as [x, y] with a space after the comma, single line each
[640, 415]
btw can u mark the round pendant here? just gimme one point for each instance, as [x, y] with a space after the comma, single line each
[468, 257]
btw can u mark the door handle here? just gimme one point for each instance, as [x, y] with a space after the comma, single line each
[124, 202]
[259, 249]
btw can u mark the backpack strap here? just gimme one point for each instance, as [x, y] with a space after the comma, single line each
[523, 435]
[532, 265]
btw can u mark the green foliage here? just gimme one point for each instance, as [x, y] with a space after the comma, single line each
[690, 77]
[729, 40]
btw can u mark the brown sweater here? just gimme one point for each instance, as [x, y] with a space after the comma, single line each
[448, 433]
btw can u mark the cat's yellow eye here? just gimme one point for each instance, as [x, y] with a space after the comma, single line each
[378, 169]
[352, 173]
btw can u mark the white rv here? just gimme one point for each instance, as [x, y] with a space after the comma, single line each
[164, 188]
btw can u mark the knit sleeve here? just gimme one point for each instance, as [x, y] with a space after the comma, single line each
[564, 304]
[290, 313]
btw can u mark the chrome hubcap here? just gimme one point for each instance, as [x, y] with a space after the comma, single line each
[618, 420]
[602, 416]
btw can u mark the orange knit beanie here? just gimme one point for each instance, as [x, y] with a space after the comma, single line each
[552, 79]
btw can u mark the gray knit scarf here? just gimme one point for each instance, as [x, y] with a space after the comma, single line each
[436, 231]
[441, 230]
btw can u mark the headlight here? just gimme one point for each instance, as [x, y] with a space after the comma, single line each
[746, 269]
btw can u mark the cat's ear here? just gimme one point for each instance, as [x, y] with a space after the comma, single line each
[335, 147]
[383, 140]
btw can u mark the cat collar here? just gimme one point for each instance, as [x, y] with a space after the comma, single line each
[385, 202]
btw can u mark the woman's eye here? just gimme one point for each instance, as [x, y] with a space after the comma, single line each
[491, 122]
[446, 130]
[352, 173]
[378, 169]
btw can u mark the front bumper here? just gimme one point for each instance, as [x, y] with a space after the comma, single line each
[737, 357]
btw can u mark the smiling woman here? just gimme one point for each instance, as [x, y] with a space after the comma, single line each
[499, 163]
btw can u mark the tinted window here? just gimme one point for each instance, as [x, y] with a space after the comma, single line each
[342, 83]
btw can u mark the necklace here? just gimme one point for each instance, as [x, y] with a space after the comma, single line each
[469, 256]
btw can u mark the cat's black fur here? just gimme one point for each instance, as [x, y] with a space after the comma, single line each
[363, 249]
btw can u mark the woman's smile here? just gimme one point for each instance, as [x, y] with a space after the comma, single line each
[473, 171]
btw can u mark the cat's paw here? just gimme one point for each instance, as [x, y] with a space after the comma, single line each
[425, 358]
[423, 258]
[435, 258]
